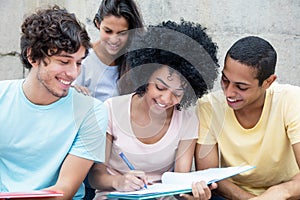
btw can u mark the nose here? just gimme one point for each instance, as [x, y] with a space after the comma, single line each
[169, 98]
[114, 38]
[229, 90]
[73, 71]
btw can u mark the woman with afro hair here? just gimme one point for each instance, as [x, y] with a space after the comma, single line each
[156, 126]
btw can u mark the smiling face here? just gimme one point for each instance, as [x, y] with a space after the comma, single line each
[240, 86]
[165, 89]
[113, 34]
[51, 80]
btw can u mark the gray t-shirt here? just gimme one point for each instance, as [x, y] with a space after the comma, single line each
[98, 77]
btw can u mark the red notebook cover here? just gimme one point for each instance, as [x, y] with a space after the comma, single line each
[30, 194]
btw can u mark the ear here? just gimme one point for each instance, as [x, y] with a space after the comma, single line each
[97, 24]
[268, 82]
[29, 58]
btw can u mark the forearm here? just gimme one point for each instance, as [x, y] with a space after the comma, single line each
[208, 160]
[287, 190]
[67, 193]
[71, 176]
[184, 156]
[229, 190]
[101, 180]
[42, 198]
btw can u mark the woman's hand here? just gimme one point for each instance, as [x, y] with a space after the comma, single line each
[131, 181]
[82, 89]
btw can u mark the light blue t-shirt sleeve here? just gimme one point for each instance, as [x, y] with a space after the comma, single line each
[91, 137]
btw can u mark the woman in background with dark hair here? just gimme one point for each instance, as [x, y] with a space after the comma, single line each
[117, 21]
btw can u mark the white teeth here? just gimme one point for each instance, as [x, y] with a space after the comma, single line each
[231, 100]
[114, 45]
[161, 105]
[65, 82]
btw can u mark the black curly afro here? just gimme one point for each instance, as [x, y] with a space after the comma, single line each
[184, 47]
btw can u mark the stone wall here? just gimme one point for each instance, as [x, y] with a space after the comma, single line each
[226, 21]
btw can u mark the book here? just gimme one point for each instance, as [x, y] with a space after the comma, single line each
[30, 194]
[178, 183]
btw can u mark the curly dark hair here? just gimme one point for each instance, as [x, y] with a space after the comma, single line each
[50, 31]
[185, 47]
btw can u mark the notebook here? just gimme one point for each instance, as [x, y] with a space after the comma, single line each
[178, 183]
[30, 194]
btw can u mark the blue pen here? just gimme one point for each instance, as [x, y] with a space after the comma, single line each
[131, 167]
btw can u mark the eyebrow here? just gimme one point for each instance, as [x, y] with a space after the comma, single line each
[109, 29]
[164, 83]
[237, 83]
[69, 56]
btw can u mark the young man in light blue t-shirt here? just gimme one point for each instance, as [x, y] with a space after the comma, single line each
[50, 134]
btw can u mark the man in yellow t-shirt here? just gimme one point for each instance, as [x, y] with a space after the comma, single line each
[254, 121]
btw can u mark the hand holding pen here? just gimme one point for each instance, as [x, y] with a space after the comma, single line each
[139, 174]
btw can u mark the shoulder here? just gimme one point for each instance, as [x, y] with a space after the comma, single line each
[89, 110]
[187, 117]
[284, 91]
[212, 105]
[287, 87]
[188, 112]
[84, 102]
[9, 85]
[119, 108]
[118, 101]
[212, 98]
[285, 97]
[92, 58]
